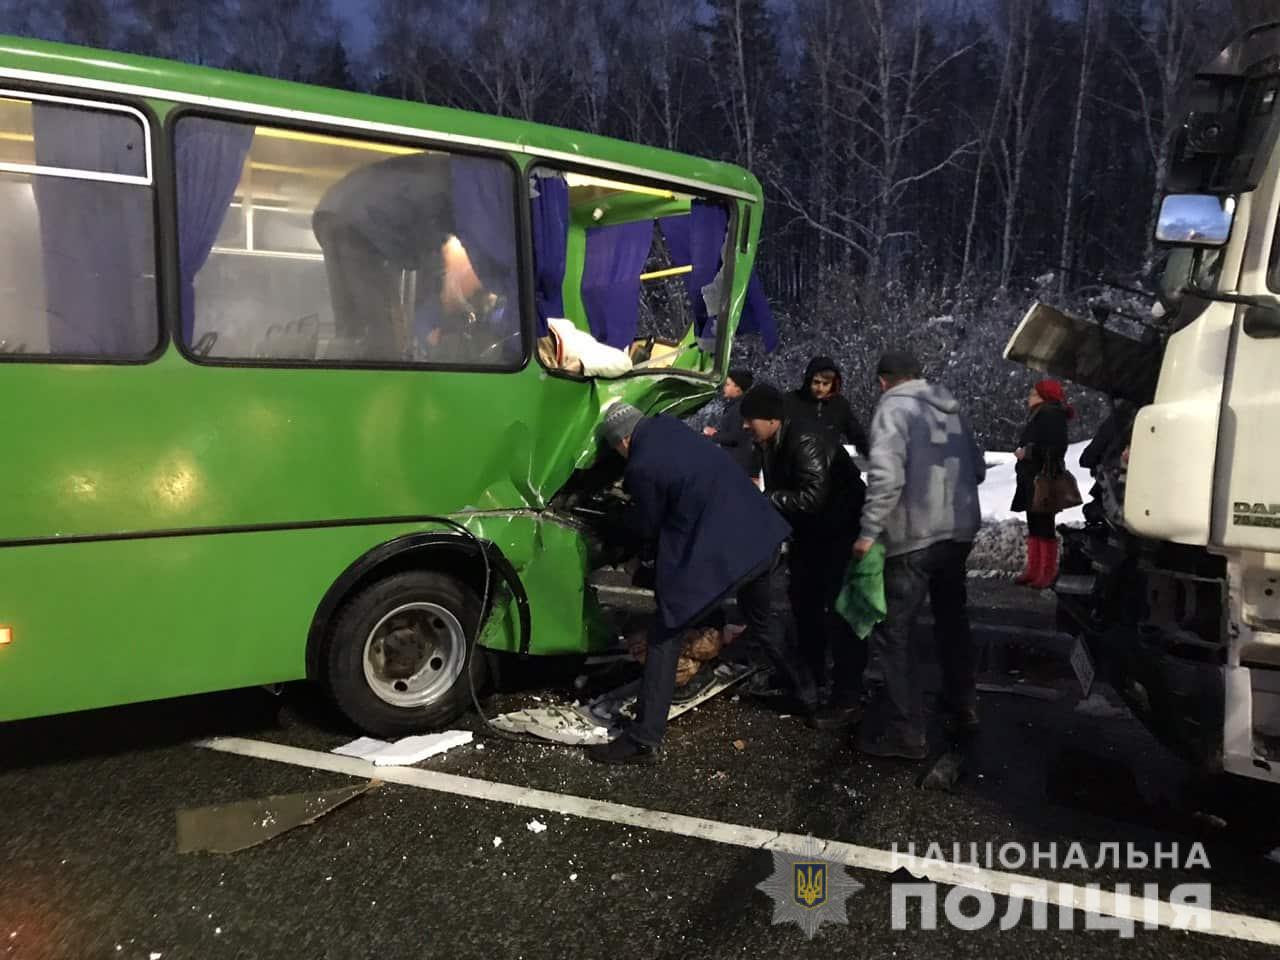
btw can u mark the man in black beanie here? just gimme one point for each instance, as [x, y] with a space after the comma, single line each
[730, 433]
[811, 480]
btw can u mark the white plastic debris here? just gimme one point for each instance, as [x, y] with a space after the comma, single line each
[156, 956]
[1099, 707]
[536, 826]
[497, 842]
[573, 876]
[558, 724]
[404, 752]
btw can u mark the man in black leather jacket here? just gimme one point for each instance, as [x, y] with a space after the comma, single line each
[811, 480]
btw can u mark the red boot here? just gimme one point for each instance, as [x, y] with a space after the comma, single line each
[1048, 565]
[1034, 560]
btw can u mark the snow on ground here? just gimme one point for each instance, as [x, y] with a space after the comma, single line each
[1000, 546]
[997, 492]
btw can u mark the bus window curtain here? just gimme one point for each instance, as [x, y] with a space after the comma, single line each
[484, 222]
[757, 316]
[614, 260]
[210, 160]
[96, 238]
[697, 238]
[550, 212]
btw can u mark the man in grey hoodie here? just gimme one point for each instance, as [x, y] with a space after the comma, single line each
[922, 505]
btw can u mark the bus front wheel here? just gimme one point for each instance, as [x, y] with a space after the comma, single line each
[400, 653]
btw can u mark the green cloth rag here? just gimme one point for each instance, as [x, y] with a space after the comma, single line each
[861, 599]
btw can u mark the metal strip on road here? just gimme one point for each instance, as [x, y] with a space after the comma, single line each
[1016, 886]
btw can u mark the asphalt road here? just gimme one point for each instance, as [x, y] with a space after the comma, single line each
[89, 868]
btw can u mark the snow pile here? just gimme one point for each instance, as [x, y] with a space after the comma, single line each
[1000, 547]
[996, 493]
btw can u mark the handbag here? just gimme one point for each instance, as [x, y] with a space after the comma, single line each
[1055, 491]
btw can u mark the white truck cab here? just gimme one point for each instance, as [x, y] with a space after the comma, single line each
[1175, 582]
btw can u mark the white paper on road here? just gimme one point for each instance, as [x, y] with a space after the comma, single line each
[404, 752]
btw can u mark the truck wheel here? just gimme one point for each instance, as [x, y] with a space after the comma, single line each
[399, 653]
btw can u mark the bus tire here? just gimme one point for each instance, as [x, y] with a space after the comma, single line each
[400, 651]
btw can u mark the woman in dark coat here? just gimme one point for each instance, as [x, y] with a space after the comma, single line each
[1041, 448]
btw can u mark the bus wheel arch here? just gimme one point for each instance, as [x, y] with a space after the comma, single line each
[416, 597]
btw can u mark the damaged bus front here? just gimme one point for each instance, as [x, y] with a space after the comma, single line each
[1176, 579]
[302, 383]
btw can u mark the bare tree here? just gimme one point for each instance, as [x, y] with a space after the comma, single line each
[180, 31]
[1025, 101]
[281, 38]
[883, 109]
[1174, 37]
[1088, 16]
[513, 60]
[987, 134]
[824, 28]
[400, 47]
[91, 22]
[26, 19]
[740, 46]
[671, 56]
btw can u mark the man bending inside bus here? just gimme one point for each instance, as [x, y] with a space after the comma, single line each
[377, 223]
[716, 536]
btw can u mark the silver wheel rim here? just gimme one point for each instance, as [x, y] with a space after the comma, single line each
[414, 654]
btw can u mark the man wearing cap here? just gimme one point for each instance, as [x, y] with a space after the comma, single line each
[810, 479]
[922, 505]
[730, 433]
[716, 536]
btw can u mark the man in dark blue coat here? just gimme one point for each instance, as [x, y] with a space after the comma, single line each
[716, 535]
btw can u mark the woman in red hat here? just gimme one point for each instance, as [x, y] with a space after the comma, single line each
[1043, 445]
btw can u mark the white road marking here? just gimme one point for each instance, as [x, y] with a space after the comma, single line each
[1138, 909]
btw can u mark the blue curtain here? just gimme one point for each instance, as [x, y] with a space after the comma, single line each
[550, 209]
[210, 159]
[96, 238]
[614, 260]
[484, 219]
[697, 238]
[757, 317]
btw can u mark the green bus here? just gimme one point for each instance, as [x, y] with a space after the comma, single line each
[298, 383]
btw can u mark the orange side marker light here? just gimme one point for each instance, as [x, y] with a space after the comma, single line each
[6, 636]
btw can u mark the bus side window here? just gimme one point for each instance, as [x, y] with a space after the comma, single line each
[300, 246]
[626, 262]
[77, 246]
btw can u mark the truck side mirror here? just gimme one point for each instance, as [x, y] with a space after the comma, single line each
[1195, 220]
